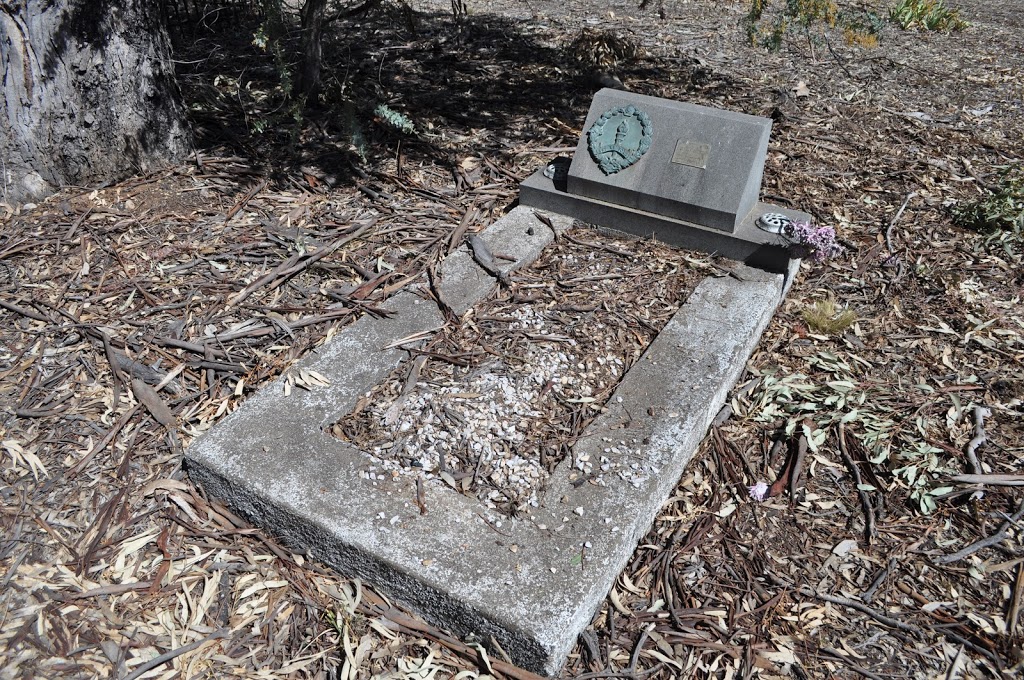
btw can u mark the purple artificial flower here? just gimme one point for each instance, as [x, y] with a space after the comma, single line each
[758, 491]
[818, 243]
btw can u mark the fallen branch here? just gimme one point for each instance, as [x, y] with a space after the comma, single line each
[249, 195]
[295, 264]
[190, 346]
[985, 542]
[865, 502]
[892, 223]
[173, 654]
[992, 480]
[864, 609]
[25, 312]
[113, 589]
[1013, 610]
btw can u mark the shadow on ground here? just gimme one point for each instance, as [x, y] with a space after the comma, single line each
[485, 84]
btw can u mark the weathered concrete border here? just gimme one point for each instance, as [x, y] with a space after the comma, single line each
[529, 583]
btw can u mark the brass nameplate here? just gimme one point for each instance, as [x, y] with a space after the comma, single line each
[691, 153]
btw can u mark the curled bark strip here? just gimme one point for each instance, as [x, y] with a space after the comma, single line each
[780, 482]
[394, 411]
[980, 413]
[869, 594]
[159, 410]
[433, 280]
[798, 462]
[115, 367]
[723, 415]
[421, 497]
[484, 258]
[1015, 601]
[789, 477]
[139, 370]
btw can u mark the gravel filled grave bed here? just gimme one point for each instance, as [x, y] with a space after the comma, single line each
[493, 402]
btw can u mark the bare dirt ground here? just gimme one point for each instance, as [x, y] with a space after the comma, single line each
[134, 316]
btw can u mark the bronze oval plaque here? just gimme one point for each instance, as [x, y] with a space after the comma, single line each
[619, 138]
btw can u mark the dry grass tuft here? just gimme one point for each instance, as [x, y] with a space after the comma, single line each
[825, 316]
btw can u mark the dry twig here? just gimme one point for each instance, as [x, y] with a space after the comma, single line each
[986, 542]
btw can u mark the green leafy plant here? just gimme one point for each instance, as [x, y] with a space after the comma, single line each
[795, 396]
[892, 440]
[803, 14]
[265, 38]
[927, 15]
[922, 468]
[861, 27]
[394, 120]
[999, 209]
[767, 25]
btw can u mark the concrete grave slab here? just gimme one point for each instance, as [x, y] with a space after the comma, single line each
[703, 165]
[518, 235]
[532, 583]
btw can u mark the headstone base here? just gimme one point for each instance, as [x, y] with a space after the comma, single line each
[747, 243]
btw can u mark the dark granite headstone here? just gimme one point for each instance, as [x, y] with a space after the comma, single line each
[678, 160]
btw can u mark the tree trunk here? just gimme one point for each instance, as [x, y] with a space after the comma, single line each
[88, 94]
[312, 29]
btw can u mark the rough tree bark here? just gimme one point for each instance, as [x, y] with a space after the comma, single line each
[88, 94]
[312, 29]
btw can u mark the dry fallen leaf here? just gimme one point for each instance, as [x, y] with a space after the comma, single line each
[152, 401]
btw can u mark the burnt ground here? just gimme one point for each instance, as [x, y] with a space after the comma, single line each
[133, 316]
